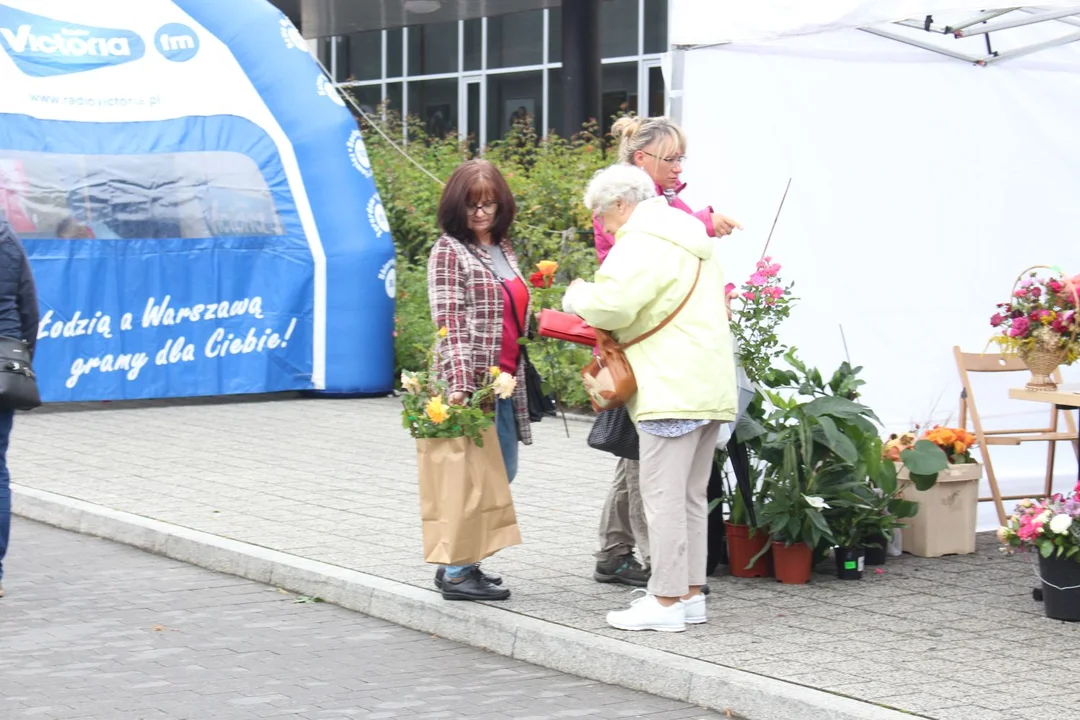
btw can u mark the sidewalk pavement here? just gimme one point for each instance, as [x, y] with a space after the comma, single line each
[319, 496]
[162, 640]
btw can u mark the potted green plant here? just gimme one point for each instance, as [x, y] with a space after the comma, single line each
[808, 456]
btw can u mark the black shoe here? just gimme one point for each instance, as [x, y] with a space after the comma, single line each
[490, 578]
[623, 569]
[473, 587]
[704, 589]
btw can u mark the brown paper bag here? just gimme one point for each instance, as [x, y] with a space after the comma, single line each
[465, 503]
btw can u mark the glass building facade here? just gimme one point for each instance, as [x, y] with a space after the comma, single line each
[476, 77]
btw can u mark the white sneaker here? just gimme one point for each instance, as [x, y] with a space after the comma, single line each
[695, 610]
[646, 613]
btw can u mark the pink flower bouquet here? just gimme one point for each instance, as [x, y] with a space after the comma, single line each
[1050, 526]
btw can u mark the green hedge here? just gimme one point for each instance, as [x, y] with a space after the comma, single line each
[547, 175]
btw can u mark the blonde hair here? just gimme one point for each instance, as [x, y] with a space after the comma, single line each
[638, 133]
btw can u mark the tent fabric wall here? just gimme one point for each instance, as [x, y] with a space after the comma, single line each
[196, 202]
[921, 187]
[707, 22]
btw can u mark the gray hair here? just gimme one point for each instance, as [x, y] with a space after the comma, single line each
[618, 182]
[637, 133]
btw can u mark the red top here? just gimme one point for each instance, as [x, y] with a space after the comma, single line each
[511, 351]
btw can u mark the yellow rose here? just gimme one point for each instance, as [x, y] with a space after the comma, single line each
[444, 331]
[547, 268]
[436, 410]
[495, 371]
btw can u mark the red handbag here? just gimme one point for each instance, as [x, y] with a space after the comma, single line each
[565, 326]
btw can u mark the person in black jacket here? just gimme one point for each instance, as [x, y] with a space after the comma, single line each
[18, 319]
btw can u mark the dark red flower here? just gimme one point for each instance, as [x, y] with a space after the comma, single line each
[539, 280]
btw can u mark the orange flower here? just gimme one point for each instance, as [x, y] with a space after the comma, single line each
[547, 268]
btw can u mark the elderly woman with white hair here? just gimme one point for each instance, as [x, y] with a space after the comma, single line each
[662, 260]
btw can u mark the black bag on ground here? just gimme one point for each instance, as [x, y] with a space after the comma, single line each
[614, 432]
[18, 383]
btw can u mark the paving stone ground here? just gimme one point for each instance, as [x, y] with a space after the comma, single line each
[334, 480]
[101, 631]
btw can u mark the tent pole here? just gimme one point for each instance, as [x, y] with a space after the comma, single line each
[1020, 22]
[923, 45]
[676, 83]
[989, 15]
[1033, 48]
[1066, 20]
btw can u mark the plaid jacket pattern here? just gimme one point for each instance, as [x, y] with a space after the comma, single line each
[466, 299]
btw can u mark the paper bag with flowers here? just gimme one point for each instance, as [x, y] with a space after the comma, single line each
[466, 510]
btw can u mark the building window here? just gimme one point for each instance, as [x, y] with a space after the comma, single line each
[435, 103]
[619, 28]
[360, 56]
[657, 92]
[433, 49]
[473, 50]
[513, 97]
[393, 53]
[656, 19]
[513, 61]
[394, 97]
[516, 39]
[555, 104]
[620, 92]
[368, 97]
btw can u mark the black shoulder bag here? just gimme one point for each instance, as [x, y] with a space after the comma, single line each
[541, 404]
[18, 383]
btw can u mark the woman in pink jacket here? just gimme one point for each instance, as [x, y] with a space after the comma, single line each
[656, 145]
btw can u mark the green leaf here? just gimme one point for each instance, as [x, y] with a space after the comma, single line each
[1045, 549]
[837, 441]
[925, 458]
[885, 478]
[924, 482]
[839, 407]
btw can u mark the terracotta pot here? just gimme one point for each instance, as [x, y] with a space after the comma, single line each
[792, 563]
[742, 547]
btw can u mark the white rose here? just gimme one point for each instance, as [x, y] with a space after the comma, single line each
[504, 385]
[1060, 524]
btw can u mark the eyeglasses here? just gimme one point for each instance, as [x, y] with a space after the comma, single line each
[487, 208]
[676, 160]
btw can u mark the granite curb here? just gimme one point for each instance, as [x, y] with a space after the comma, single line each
[722, 689]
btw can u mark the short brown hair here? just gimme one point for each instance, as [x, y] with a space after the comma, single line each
[473, 182]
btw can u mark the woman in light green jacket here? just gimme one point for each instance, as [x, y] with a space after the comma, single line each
[685, 376]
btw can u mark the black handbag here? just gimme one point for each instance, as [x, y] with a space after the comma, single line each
[541, 404]
[18, 383]
[614, 432]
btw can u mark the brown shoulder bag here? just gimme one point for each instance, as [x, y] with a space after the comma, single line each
[609, 379]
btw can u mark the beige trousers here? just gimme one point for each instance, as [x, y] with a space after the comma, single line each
[622, 525]
[674, 486]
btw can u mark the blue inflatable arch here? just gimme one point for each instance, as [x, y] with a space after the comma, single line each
[196, 202]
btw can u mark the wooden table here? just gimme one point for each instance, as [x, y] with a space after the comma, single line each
[1066, 397]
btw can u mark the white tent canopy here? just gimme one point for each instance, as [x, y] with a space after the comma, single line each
[921, 186]
[967, 25]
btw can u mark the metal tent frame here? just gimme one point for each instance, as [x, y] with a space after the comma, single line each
[983, 24]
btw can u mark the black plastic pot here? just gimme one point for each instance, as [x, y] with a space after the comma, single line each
[1060, 573]
[850, 563]
[876, 555]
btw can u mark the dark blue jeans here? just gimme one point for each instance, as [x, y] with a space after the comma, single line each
[506, 427]
[6, 418]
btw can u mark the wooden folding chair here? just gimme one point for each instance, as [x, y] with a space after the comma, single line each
[995, 363]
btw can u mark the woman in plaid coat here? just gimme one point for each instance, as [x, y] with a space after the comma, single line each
[477, 292]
